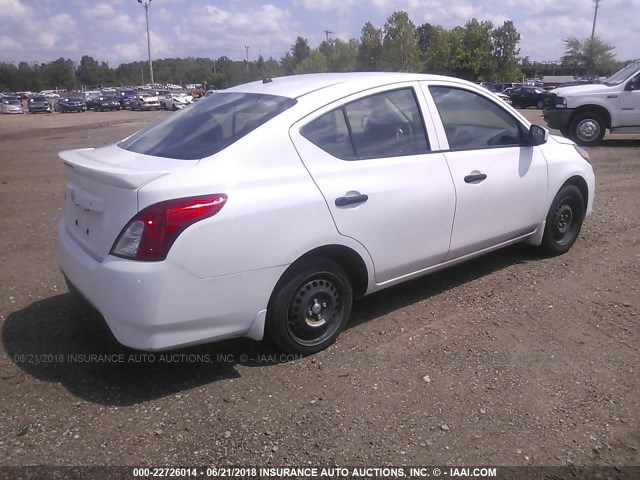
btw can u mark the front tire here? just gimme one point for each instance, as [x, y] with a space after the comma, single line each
[564, 221]
[310, 306]
[587, 129]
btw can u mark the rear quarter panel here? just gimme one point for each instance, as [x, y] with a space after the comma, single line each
[273, 215]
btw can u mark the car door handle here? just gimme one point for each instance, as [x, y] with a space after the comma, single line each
[476, 177]
[344, 201]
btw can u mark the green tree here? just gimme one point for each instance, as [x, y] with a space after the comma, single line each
[444, 46]
[400, 46]
[316, 62]
[474, 60]
[588, 56]
[370, 48]
[300, 50]
[505, 41]
[59, 74]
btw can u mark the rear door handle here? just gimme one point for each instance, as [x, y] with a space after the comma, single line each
[477, 177]
[344, 201]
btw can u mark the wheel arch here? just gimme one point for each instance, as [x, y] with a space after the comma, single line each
[581, 183]
[352, 263]
[599, 110]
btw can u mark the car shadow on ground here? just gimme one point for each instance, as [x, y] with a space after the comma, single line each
[53, 340]
[424, 288]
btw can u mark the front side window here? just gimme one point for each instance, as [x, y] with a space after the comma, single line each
[208, 126]
[386, 124]
[472, 121]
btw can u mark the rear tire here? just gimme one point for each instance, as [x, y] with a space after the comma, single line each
[310, 306]
[564, 221]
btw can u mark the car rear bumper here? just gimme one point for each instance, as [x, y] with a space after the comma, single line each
[160, 305]
[557, 118]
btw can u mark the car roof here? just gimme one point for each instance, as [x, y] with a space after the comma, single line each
[295, 86]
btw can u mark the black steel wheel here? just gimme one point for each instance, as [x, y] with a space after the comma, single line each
[310, 306]
[564, 220]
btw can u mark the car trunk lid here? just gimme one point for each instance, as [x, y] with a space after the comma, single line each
[102, 192]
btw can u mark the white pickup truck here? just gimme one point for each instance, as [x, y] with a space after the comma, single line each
[584, 112]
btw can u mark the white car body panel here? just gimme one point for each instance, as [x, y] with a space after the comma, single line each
[217, 278]
[414, 193]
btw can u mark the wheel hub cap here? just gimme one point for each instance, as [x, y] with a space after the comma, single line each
[313, 311]
[588, 129]
[563, 223]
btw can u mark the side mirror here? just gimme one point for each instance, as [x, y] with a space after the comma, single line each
[537, 135]
[629, 86]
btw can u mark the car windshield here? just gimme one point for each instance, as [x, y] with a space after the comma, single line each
[38, 99]
[208, 126]
[622, 74]
[10, 100]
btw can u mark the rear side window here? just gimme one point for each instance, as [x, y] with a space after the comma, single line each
[386, 124]
[472, 121]
[208, 126]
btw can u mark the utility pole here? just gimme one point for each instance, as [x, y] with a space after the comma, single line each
[146, 4]
[595, 14]
[246, 47]
[326, 33]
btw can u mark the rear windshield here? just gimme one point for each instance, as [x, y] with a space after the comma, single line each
[208, 126]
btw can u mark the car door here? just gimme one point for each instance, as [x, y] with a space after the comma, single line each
[370, 156]
[501, 184]
[629, 101]
[516, 96]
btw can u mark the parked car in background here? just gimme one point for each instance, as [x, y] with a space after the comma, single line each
[189, 231]
[69, 104]
[106, 103]
[176, 101]
[125, 95]
[24, 95]
[210, 92]
[488, 85]
[523, 97]
[50, 94]
[38, 103]
[91, 96]
[145, 102]
[11, 104]
[503, 97]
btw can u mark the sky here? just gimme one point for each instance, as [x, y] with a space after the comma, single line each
[114, 30]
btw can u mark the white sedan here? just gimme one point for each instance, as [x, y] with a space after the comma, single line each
[176, 101]
[269, 207]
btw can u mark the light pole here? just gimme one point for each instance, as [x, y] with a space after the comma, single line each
[595, 14]
[246, 47]
[146, 4]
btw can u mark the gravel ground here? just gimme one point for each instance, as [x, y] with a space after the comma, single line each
[511, 359]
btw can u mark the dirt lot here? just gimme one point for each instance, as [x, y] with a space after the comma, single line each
[511, 359]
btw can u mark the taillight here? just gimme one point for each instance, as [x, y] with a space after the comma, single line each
[149, 235]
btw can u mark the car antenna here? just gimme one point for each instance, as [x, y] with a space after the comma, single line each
[267, 80]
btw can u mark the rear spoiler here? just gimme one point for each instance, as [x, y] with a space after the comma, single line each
[88, 164]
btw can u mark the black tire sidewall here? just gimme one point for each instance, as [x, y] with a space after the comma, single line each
[548, 243]
[574, 125]
[282, 296]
